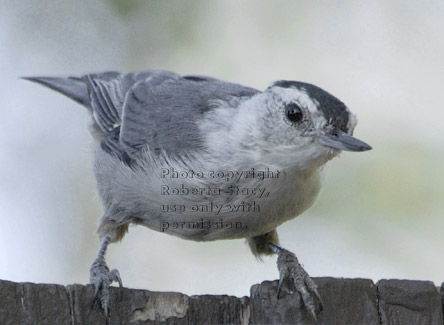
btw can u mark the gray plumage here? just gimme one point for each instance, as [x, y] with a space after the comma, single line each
[149, 122]
[155, 108]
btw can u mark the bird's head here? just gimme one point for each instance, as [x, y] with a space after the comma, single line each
[303, 125]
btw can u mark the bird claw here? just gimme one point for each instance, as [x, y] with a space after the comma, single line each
[101, 277]
[290, 269]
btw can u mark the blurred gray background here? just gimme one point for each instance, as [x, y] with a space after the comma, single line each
[381, 213]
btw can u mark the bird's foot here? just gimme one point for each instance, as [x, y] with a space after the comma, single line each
[293, 273]
[101, 277]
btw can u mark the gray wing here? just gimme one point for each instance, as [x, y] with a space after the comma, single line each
[108, 92]
[158, 109]
[165, 116]
[102, 93]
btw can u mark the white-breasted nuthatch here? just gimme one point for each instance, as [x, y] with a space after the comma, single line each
[204, 159]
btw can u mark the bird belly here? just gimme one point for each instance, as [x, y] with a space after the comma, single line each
[211, 217]
[195, 209]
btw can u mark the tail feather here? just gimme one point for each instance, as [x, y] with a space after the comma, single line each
[74, 88]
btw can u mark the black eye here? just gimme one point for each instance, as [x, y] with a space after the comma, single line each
[294, 112]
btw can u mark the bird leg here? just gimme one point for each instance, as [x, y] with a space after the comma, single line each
[290, 271]
[101, 277]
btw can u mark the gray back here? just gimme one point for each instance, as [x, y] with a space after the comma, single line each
[158, 109]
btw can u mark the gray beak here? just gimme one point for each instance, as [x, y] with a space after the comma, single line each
[343, 141]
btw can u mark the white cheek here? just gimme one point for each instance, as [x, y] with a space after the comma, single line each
[319, 121]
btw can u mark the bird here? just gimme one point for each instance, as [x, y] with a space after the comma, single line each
[204, 159]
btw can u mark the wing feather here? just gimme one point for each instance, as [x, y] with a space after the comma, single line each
[159, 110]
[166, 115]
